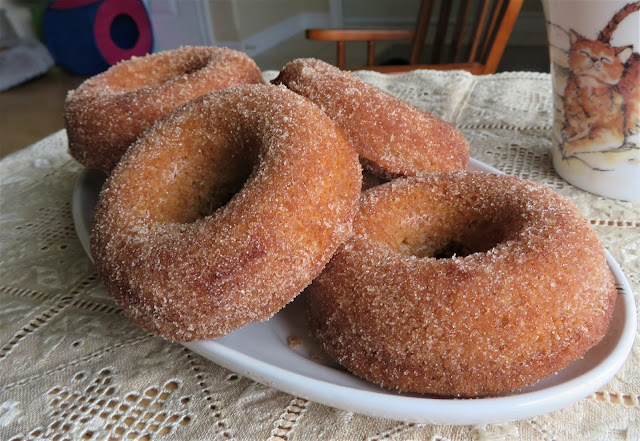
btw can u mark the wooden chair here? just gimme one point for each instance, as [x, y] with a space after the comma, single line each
[471, 37]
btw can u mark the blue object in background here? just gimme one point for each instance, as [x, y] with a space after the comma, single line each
[89, 36]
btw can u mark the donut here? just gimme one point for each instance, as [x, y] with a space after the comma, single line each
[107, 112]
[392, 137]
[462, 284]
[223, 211]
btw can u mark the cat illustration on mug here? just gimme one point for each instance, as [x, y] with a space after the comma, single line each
[602, 93]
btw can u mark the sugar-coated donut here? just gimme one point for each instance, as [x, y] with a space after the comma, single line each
[463, 284]
[107, 112]
[224, 211]
[392, 137]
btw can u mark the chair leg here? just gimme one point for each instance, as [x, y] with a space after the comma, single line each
[424, 15]
[341, 55]
[502, 37]
[371, 52]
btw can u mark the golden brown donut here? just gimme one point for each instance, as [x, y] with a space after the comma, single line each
[224, 211]
[392, 137]
[463, 284]
[107, 112]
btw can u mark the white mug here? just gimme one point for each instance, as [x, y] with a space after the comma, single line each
[594, 47]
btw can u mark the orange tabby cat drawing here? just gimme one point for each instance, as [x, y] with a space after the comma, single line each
[598, 111]
[596, 72]
[603, 92]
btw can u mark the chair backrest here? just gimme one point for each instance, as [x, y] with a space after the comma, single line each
[458, 34]
[476, 31]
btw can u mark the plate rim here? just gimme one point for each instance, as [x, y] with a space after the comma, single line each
[413, 409]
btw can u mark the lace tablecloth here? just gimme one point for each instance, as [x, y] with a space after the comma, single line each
[73, 367]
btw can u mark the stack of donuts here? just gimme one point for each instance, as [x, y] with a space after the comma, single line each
[227, 197]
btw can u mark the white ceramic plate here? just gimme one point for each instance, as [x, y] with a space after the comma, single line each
[262, 352]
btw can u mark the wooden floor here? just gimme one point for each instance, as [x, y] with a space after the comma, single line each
[33, 110]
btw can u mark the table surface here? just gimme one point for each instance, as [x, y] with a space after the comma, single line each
[73, 367]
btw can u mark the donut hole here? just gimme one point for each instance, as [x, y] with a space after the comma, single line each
[453, 239]
[202, 175]
[478, 238]
[144, 77]
[194, 66]
[190, 66]
[216, 181]
[453, 249]
[220, 192]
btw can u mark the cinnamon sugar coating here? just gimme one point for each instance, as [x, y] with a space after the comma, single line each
[107, 112]
[463, 284]
[224, 211]
[392, 137]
